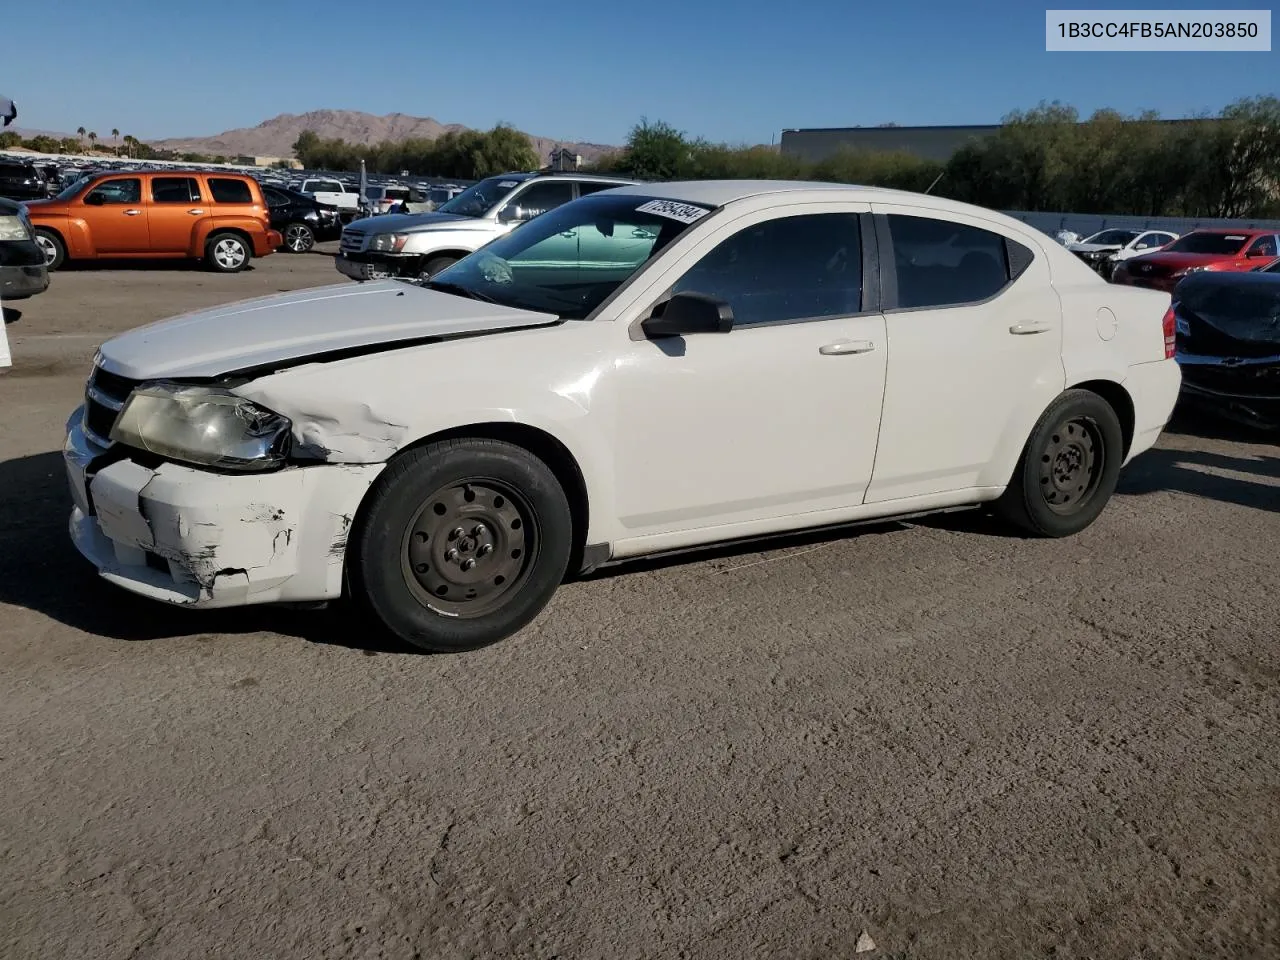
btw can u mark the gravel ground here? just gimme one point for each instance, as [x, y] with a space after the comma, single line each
[962, 743]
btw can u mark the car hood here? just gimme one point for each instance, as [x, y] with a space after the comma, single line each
[416, 223]
[281, 330]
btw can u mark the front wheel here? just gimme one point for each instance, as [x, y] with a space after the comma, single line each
[1068, 469]
[299, 238]
[51, 245]
[436, 264]
[462, 544]
[227, 253]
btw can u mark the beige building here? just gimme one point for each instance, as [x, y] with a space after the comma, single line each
[290, 162]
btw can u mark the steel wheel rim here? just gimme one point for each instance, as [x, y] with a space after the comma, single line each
[1072, 464]
[297, 238]
[470, 546]
[229, 253]
[47, 248]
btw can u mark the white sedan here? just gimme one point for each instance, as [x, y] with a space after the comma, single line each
[648, 369]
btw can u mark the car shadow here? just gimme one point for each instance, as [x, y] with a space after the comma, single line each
[1197, 421]
[11, 315]
[1190, 472]
[40, 570]
[138, 266]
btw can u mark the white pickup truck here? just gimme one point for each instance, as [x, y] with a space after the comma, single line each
[333, 192]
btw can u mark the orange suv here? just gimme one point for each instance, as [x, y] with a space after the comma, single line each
[220, 218]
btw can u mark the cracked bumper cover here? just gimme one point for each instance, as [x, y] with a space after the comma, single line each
[192, 537]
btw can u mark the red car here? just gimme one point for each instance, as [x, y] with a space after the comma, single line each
[1218, 249]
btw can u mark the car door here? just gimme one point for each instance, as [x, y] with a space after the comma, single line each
[175, 205]
[116, 216]
[975, 350]
[776, 418]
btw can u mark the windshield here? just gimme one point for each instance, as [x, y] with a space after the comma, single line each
[1225, 243]
[480, 198]
[68, 192]
[1112, 237]
[568, 260]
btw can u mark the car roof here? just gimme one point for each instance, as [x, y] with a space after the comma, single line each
[717, 193]
[1233, 231]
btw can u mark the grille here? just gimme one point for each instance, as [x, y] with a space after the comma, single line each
[352, 241]
[104, 396]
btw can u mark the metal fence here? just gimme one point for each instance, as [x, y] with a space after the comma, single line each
[1086, 224]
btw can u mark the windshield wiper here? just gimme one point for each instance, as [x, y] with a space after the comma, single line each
[459, 289]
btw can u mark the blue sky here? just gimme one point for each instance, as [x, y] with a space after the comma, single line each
[730, 71]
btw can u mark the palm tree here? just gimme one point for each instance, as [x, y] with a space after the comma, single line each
[129, 141]
[115, 136]
[93, 139]
[80, 134]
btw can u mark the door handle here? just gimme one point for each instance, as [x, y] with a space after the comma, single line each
[1031, 326]
[195, 213]
[842, 347]
[132, 213]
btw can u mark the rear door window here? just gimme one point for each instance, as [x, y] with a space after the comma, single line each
[940, 263]
[175, 190]
[226, 190]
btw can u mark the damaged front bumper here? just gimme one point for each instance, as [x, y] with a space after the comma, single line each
[1245, 390]
[192, 537]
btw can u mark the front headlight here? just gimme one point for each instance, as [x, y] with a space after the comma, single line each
[388, 242]
[12, 228]
[203, 425]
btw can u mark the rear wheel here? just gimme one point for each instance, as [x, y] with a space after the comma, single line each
[227, 253]
[51, 245]
[463, 543]
[1068, 469]
[299, 238]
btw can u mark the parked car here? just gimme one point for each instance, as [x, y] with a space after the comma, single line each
[22, 269]
[1216, 249]
[300, 219]
[220, 218]
[382, 197]
[421, 245]
[1103, 250]
[1228, 340]
[333, 192]
[648, 369]
[22, 180]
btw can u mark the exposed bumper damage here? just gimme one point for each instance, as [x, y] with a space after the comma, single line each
[192, 537]
[1244, 390]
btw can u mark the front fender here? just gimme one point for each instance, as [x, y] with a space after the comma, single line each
[431, 241]
[367, 409]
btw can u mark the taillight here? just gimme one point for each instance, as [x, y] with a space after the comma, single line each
[1170, 332]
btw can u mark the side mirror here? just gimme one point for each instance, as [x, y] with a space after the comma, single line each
[1258, 253]
[511, 214]
[95, 200]
[688, 313]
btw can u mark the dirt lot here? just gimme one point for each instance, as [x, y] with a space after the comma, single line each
[967, 745]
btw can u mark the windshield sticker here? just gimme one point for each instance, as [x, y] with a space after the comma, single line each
[674, 210]
[509, 183]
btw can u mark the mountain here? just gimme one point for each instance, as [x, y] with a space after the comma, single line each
[275, 137]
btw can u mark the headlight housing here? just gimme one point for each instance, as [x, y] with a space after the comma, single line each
[13, 228]
[206, 426]
[388, 242]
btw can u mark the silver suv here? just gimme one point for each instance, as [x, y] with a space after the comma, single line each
[422, 244]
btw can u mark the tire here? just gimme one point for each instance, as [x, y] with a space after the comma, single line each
[447, 592]
[51, 245]
[298, 238]
[220, 253]
[436, 264]
[1068, 468]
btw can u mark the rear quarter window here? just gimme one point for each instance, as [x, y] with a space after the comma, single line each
[225, 190]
